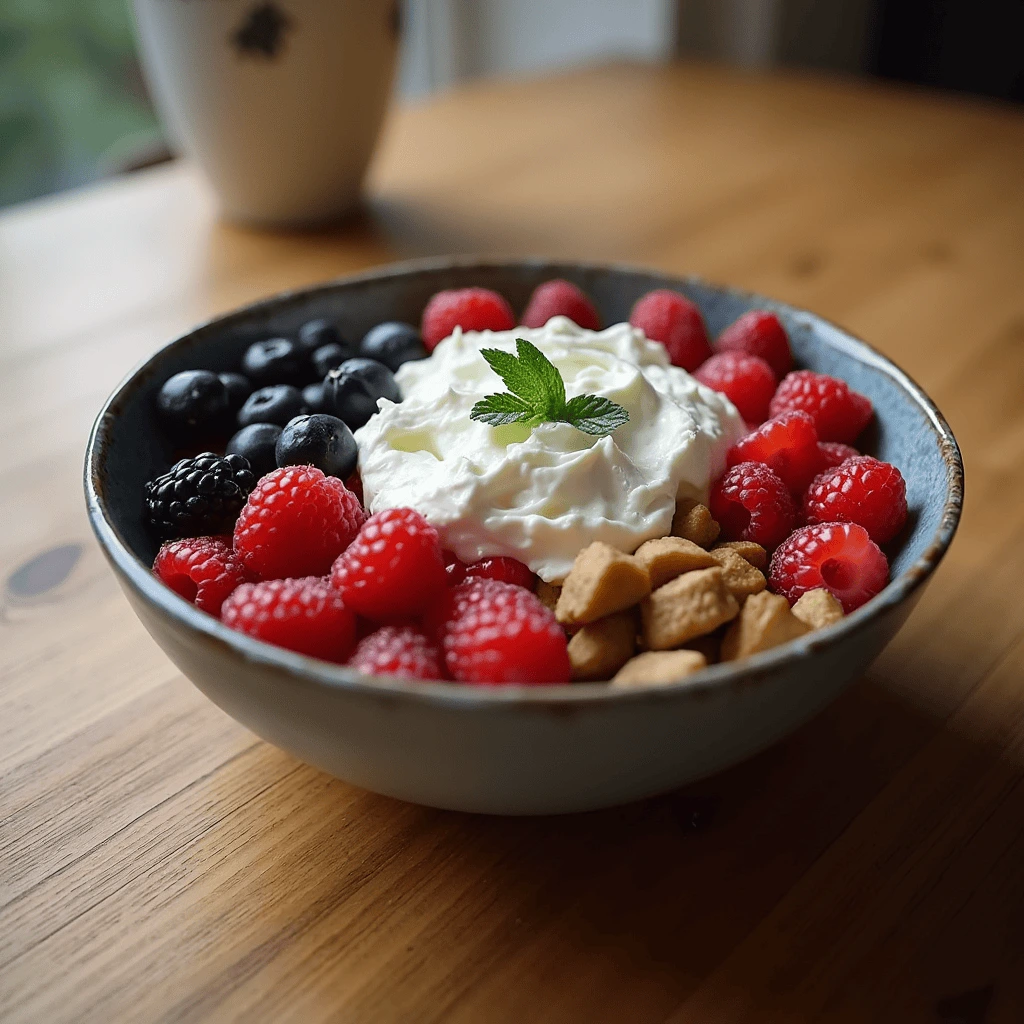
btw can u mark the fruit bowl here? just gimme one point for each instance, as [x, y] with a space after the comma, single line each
[516, 749]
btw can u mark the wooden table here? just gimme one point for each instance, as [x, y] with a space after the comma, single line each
[158, 862]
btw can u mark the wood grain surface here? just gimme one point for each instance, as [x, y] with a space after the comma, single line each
[159, 863]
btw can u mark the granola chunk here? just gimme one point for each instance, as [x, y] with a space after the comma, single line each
[659, 667]
[689, 606]
[765, 622]
[602, 581]
[601, 648]
[692, 521]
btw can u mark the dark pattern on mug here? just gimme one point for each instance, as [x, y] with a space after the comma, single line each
[262, 33]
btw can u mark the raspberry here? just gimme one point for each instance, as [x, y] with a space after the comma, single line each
[393, 569]
[303, 615]
[560, 298]
[759, 333]
[751, 503]
[454, 568]
[355, 484]
[203, 570]
[838, 556]
[397, 651]
[296, 523]
[747, 381]
[676, 322]
[832, 453]
[862, 490]
[508, 570]
[494, 632]
[787, 445]
[472, 309]
[839, 413]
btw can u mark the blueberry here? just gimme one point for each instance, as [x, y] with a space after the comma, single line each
[393, 343]
[277, 404]
[317, 333]
[239, 389]
[274, 361]
[321, 441]
[327, 358]
[351, 391]
[256, 443]
[193, 401]
[313, 396]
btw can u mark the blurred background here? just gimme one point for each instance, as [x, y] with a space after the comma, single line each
[74, 106]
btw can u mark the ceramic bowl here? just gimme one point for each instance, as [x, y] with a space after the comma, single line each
[517, 750]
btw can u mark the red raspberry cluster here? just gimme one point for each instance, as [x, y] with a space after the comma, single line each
[308, 571]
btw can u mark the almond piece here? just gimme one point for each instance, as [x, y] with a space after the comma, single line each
[765, 622]
[741, 577]
[601, 648]
[601, 581]
[753, 553]
[689, 606]
[668, 557]
[818, 608]
[692, 521]
[659, 667]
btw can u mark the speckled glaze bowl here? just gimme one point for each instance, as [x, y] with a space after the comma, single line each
[517, 750]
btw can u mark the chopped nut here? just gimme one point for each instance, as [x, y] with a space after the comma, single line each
[753, 553]
[669, 557]
[741, 577]
[765, 622]
[659, 667]
[693, 521]
[689, 606]
[548, 594]
[601, 581]
[818, 608]
[601, 648]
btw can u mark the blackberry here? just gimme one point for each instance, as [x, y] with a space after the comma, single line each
[199, 496]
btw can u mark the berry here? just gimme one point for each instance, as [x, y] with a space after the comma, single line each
[839, 413]
[277, 404]
[393, 343]
[274, 361]
[838, 556]
[398, 651]
[355, 484]
[313, 396]
[315, 334]
[788, 445]
[327, 358]
[192, 402]
[472, 309]
[861, 490]
[238, 388]
[832, 453]
[508, 570]
[296, 522]
[256, 444]
[198, 496]
[751, 503]
[494, 632]
[676, 322]
[747, 381]
[203, 570]
[560, 298]
[351, 392]
[302, 615]
[318, 440]
[393, 569]
[759, 333]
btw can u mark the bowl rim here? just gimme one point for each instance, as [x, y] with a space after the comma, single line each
[314, 673]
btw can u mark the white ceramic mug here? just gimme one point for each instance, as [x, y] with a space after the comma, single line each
[280, 101]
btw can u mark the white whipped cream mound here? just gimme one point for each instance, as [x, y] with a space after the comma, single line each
[542, 494]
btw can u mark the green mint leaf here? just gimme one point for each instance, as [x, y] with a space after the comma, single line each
[543, 370]
[497, 410]
[594, 415]
[517, 376]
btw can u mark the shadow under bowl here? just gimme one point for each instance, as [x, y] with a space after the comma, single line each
[510, 749]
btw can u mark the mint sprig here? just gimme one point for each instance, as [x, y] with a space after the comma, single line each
[536, 394]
